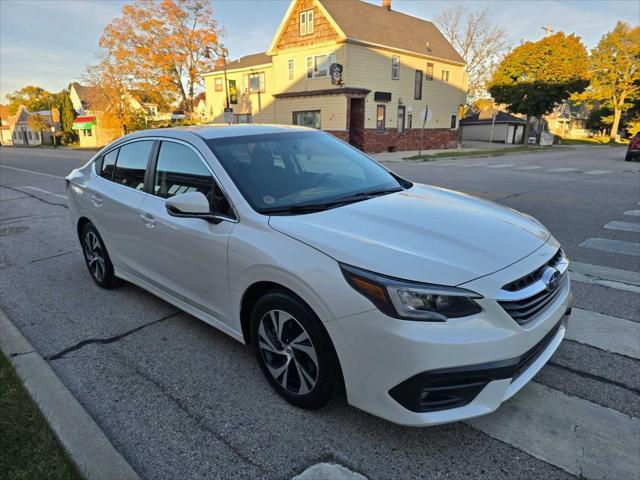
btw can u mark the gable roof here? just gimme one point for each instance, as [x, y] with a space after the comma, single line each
[486, 117]
[361, 22]
[89, 96]
[247, 61]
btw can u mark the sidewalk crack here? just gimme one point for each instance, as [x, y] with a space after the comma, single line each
[105, 341]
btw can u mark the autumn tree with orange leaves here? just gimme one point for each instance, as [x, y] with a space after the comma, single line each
[161, 46]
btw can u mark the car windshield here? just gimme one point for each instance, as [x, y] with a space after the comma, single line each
[298, 172]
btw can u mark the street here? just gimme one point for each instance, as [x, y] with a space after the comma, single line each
[180, 399]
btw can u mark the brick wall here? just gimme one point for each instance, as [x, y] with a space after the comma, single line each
[434, 138]
[342, 135]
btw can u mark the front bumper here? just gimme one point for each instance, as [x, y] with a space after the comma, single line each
[388, 364]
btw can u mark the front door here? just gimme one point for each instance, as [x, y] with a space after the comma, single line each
[401, 110]
[186, 257]
[356, 122]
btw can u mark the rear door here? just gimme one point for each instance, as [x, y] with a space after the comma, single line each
[115, 198]
[187, 257]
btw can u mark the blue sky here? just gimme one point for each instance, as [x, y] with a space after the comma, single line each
[49, 42]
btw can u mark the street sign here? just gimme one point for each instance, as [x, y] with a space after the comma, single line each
[426, 115]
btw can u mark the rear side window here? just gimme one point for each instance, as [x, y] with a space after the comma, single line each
[180, 170]
[108, 164]
[132, 163]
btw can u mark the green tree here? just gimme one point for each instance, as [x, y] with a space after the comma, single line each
[67, 114]
[615, 72]
[32, 97]
[536, 76]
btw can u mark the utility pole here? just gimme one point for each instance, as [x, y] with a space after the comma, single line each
[53, 127]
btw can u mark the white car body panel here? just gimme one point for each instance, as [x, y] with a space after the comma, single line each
[423, 234]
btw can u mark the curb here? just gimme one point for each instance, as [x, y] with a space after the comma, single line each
[89, 448]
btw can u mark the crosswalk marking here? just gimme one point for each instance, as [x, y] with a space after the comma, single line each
[529, 167]
[559, 170]
[583, 438]
[597, 172]
[626, 280]
[633, 213]
[500, 165]
[623, 226]
[614, 246]
[613, 334]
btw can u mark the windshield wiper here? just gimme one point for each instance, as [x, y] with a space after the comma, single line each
[318, 207]
[377, 193]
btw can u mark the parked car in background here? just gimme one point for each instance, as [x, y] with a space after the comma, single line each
[633, 150]
[429, 306]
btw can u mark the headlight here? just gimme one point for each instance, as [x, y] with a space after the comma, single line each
[412, 301]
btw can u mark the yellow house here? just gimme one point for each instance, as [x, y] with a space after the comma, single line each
[363, 72]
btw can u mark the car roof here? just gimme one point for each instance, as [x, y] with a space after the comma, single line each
[207, 132]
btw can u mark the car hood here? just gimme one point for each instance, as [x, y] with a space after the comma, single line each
[423, 234]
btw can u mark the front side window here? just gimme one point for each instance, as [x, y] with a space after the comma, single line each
[132, 163]
[395, 67]
[417, 90]
[180, 170]
[306, 22]
[381, 112]
[454, 122]
[445, 76]
[430, 72]
[318, 66]
[278, 172]
[309, 118]
[218, 84]
[108, 164]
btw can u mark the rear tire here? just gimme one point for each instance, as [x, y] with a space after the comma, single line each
[96, 257]
[294, 350]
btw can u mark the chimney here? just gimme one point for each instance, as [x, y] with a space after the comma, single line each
[386, 4]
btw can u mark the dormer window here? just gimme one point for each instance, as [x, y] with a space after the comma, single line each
[306, 22]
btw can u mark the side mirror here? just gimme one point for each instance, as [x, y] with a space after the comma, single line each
[190, 204]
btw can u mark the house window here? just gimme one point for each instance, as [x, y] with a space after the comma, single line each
[409, 120]
[306, 22]
[242, 118]
[417, 92]
[381, 113]
[454, 122]
[430, 72]
[87, 132]
[445, 76]
[395, 67]
[30, 137]
[253, 83]
[290, 67]
[307, 118]
[218, 84]
[318, 66]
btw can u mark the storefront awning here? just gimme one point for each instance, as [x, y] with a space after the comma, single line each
[84, 123]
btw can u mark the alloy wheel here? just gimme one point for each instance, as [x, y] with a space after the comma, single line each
[288, 352]
[94, 255]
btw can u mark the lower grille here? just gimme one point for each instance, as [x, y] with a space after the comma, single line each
[524, 310]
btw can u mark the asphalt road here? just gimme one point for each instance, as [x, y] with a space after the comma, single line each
[181, 400]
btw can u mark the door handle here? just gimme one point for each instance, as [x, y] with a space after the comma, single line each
[96, 200]
[148, 220]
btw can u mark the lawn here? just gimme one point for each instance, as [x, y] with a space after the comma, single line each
[28, 448]
[594, 141]
[493, 152]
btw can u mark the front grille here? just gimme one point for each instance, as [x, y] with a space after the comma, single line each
[527, 296]
[532, 355]
[534, 276]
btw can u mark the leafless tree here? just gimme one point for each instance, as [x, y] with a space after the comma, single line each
[481, 42]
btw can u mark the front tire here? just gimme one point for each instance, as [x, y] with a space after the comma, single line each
[293, 350]
[96, 257]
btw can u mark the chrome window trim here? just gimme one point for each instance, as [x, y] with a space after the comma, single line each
[186, 144]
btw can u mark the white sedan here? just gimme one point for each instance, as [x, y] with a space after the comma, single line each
[426, 305]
